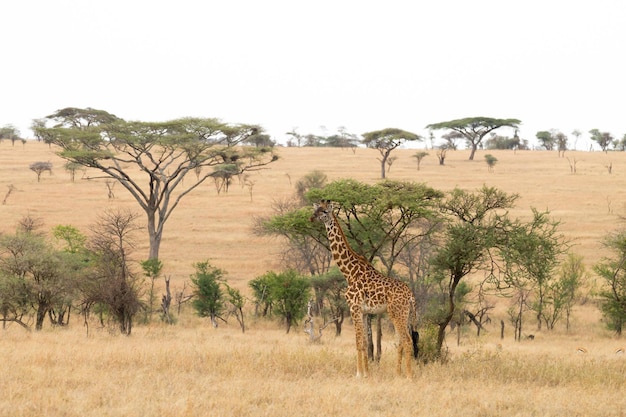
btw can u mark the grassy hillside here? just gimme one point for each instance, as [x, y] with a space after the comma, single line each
[191, 369]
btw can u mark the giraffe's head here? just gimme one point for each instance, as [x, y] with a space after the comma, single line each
[323, 211]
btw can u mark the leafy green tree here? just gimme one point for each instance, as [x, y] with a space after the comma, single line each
[208, 298]
[14, 299]
[472, 230]
[563, 291]
[290, 293]
[573, 275]
[152, 270]
[307, 248]
[10, 132]
[531, 252]
[152, 159]
[72, 237]
[561, 142]
[612, 270]
[381, 219]
[491, 161]
[237, 302]
[503, 142]
[603, 139]
[546, 139]
[44, 273]
[419, 155]
[385, 141]
[474, 129]
[329, 289]
[620, 144]
[262, 295]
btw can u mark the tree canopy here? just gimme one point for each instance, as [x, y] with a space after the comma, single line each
[164, 152]
[386, 140]
[474, 129]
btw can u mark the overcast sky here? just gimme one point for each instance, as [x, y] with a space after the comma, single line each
[362, 65]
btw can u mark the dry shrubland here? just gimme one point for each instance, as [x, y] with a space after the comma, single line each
[193, 369]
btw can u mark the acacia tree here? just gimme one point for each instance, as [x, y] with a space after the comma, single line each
[10, 132]
[163, 152]
[472, 231]
[604, 139]
[36, 276]
[386, 140]
[531, 252]
[612, 270]
[381, 221]
[474, 129]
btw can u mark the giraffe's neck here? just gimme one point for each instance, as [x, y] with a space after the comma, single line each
[345, 257]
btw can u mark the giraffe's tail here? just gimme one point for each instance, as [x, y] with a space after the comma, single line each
[415, 337]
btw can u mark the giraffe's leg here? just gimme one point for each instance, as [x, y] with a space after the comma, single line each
[408, 352]
[404, 346]
[361, 352]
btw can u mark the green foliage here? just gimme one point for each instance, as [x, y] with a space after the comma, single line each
[474, 129]
[612, 270]
[73, 238]
[208, 298]
[36, 277]
[503, 142]
[472, 231]
[429, 351]
[160, 155]
[9, 132]
[419, 155]
[546, 139]
[329, 289]
[380, 220]
[152, 269]
[603, 139]
[491, 161]
[290, 293]
[261, 294]
[386, 140]
[286, 292]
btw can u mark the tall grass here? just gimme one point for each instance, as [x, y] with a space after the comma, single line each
[185, 371]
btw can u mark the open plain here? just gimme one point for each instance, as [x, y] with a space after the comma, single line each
[191, 369]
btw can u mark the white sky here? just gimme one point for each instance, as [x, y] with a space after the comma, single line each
[364, 65]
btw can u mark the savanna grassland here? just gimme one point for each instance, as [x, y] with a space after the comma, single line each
[191, 369]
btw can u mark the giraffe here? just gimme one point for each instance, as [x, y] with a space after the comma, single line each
[370, 292]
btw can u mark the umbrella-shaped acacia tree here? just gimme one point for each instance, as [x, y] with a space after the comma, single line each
[163, 152]
[474, 129]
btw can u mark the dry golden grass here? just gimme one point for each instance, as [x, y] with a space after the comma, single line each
[191, 369]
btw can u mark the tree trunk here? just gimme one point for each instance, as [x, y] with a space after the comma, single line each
[41, 315]
[166, 301]
[154, 234]
[473, 152]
